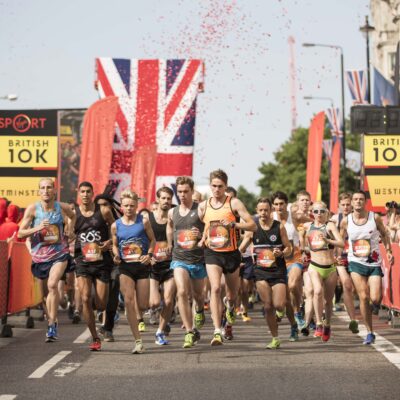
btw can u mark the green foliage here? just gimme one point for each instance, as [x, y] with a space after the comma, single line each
[249, 199]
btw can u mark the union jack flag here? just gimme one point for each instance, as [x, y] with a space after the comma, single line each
[154, 135]
[327, 147]
[335, 122]
[358, 86]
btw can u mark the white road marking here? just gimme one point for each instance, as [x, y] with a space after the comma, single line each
[8, 396]
[83, 337]
[48, 365]
[65, 369]
[382, 345]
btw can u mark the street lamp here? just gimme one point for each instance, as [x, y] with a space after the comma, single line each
[366, 29]
[319, 98]
[11, 97]
[336, 47]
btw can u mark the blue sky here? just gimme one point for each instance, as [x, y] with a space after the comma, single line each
[48, 50]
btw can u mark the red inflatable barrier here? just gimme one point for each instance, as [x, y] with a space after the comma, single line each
[391, 279]
[3, 277]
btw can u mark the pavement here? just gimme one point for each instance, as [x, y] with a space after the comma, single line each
[342, 368]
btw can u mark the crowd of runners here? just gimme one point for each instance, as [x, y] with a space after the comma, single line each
[204, 254]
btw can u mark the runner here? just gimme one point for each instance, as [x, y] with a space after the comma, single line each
[322, 236]
[293, 261]
[161, 276]
[46, 223]
[184, 231]
[271, 245]
[342, 268]
[133, 245]
[364, 229]
[92, 256]
[222, 256]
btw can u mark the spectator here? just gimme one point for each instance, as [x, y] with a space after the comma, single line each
[10, 227]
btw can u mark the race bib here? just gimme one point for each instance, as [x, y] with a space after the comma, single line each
[91, 252]
[316, 241]
[218, 236]
[361, 247]
[265, 257]
[131, 252]
[50, 235]
[161, 252]
[186, 239]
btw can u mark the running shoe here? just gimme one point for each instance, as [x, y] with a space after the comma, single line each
[142, 326]
[108, 336]
[230, 316]
[326, 333]
[154, 316]
[299, 319]
[161, 340]
[294, 334]
[217, 339]
[312, 325]
[189, 340]
[76, 318]
[305, 331]
[318, 331]
[375, 309]
[279, 315]
[167, 329]
[95, 345]
[197, 335]
[51, 335]
[228, 332]
[116, 317]
[353, 326]
[138, 349]
[199, 319]
[70, 312]
[370, 339]
[245, 317]
[274, 344]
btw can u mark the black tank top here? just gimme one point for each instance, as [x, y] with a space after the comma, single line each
[264, 242]
[90, 232]
[185, 243]
[160, 233]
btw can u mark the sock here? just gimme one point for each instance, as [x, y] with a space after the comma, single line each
[159, 331]
[217, 331]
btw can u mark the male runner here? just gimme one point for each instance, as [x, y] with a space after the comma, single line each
[184, 231]
[222, 256]
[364, 229]
[46, 223]
[92, 256]
[160, 272]
[342, 269]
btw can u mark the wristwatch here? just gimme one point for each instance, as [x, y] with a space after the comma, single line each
[150, 254]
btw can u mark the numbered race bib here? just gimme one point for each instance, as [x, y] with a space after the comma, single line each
[91, 252]
[218, 236]
[131, 252]
[265, 257]
[361, 247]
[50, 235]
[161, 252]
[316, 241]
[186, 239]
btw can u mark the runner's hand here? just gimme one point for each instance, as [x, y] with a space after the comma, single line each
[196, 232]
[390, 258]
[43, 224]
[277, 252]
[105, 246]
[145, 259]
[117, 259]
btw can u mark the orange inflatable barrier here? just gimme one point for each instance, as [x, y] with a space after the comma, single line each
[24, 291]
[391, 279]
[3, 277]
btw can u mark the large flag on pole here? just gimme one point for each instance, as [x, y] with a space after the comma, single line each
[384, 91]
[154, 135]
[358, 86]
[314, 154]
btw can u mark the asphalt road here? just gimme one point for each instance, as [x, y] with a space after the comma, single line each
[242, 369]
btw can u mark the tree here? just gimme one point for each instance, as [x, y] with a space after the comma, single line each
[249, 199]
[288, 172]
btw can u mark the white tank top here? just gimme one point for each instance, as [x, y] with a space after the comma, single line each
[364, 242]
[292, 233]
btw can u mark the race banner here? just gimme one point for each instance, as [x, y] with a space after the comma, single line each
[29, 150]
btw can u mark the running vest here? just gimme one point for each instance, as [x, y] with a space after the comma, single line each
[220, 237]
[90, 233]
[49, 243]
[132, 240]
[315, 236]
[264, 242]
[293, 236]
[160, 233]
[185, 242]
[364, 241]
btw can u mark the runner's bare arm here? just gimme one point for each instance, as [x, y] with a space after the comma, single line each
[248, 223]
[170, 230]
[150, 234]
[343, 234]
[286, 243]
[385, 238]
[248, 236]
[24, 229]
[70, 223]
[338, 239]
[117, 258]
[202, 209]
[109, 218]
